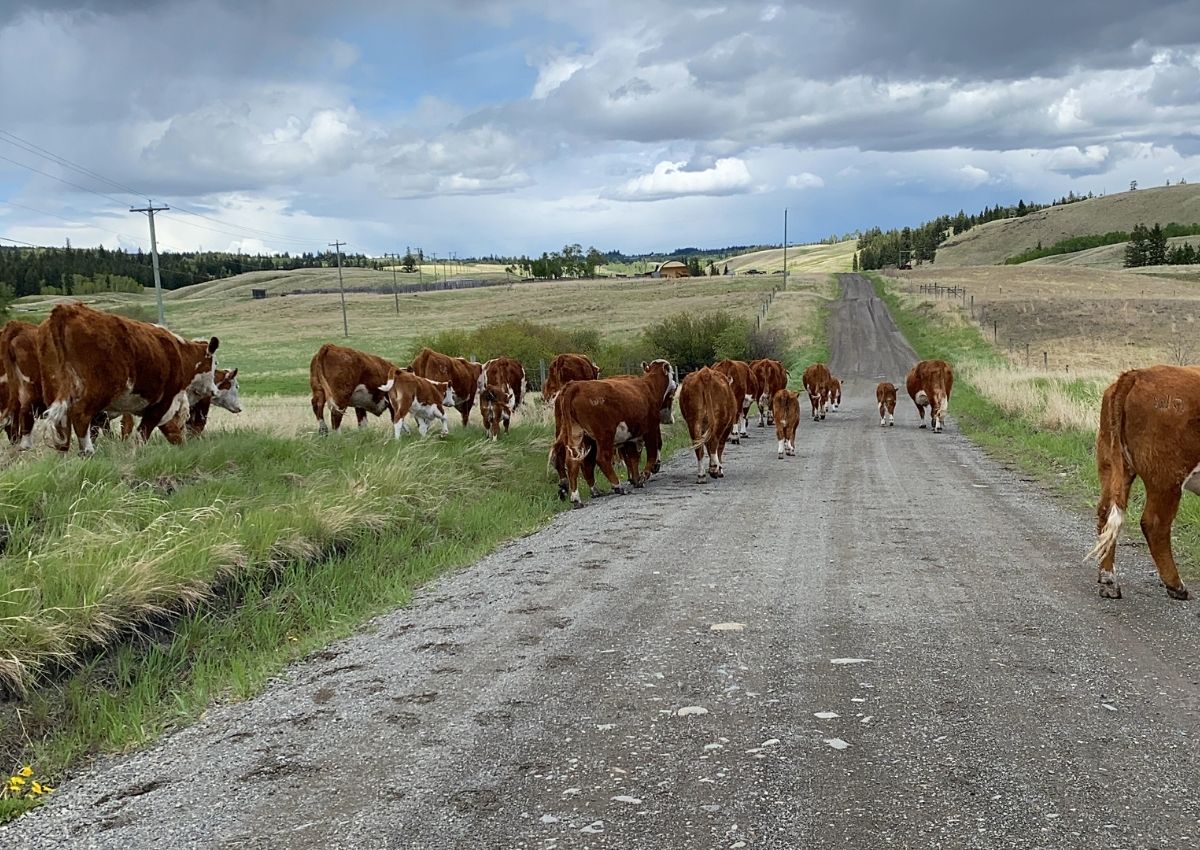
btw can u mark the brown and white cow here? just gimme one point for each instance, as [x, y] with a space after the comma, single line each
[226, 397]
[745, 390]
[108, 363]
[771, 377]
[711, 412]
[496, 409]
[929, 384]
[506, 373]
[426, 400]
[1148, 430]
[817, 383]
[885, 395]
[461, 374]
[21, 380]
[835, 394]
[596, 418]
[344, 378]
[566, 368]
[785, 407]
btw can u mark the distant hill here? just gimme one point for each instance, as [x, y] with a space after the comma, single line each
[801, 258]
[992, 243]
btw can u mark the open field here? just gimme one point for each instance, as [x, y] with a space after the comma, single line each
[1109, 257]
[1082, 318]
[272, 340]
[800, 259]
[991, 243]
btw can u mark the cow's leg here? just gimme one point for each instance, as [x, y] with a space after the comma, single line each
[699, 462]
[465, 409]
[746, 418]
[891, 415]
[631, 455]
[400, 417]
[441, 415]
[604, 459]
[318, 409]
[1157, 517]
[882, 415]
[573, 462]
[782, 447]
[715, 442]
[361, 416]
[921, 411]
[335, 417]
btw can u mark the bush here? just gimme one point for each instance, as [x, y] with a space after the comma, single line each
[770, 343]
[691, 342]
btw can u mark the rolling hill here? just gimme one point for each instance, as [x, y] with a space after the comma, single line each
[992, 243]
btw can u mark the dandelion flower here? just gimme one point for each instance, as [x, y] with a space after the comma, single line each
[26, 771]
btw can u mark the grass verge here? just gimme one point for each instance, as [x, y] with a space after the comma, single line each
[1061, 457]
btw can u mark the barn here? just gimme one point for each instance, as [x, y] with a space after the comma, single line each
[671, 268]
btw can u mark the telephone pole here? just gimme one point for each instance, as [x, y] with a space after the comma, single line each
[395, 286]
[337, 246]
[150, 210]
[785, 247]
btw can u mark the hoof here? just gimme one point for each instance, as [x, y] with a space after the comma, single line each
[657, 468]
[735, 440]
[1110, 591]
[714, 473]
[620, 491]
[699, 479]
[576, 505]
[637, 485]
[780, 455]
[720, 473]
[891, 424]
[1181, 593]
[922, 426]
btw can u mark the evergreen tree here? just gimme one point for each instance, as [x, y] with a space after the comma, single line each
[1156, 250]
[1138, 247]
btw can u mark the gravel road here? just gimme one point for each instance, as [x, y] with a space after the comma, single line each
[920, 659]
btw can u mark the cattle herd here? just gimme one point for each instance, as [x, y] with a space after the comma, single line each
[81, 368]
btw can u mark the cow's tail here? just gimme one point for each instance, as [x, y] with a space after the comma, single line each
[67, 380]
[1114, 489]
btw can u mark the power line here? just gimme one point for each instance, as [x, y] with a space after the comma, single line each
[19, 242]
[79, 224]
[61, 180]
[29, 147]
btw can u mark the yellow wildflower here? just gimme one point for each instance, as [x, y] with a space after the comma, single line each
[16, 781]
[26, 771]
[38, 788]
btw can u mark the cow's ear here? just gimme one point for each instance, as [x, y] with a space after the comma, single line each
[212, 345]
[645, 366]
[387, 388]
[729, 379]
[231, 375]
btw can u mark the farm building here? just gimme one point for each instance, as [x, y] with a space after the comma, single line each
[671, 268]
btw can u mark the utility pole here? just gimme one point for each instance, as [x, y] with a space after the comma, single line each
[395, 286]
[337, 246]
[785, 247]
[150, 210]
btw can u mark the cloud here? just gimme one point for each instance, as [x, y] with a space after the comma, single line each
[973, 177]
[1093, 159]
[805, 180]
[671, 180]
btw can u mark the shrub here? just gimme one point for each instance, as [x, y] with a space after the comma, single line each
[691, 342]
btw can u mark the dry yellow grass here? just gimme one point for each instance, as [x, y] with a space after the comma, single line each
[800, 259]
[1051, 399]
[995, 241]
[1082, 318]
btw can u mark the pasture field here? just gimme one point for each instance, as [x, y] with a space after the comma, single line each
[1043, 420]
[147, 582]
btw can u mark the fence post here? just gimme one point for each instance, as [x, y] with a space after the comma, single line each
[542, 373]
[1026, 355]
[1045, 359]
[972, 306]
[995, 330]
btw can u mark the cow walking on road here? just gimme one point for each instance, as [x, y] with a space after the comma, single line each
[817, 383]
[929, 384]
[786, 408]
[771, 376]
[885, 395]
[745, 390]
[710, 410]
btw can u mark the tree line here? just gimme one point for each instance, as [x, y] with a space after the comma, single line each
[1148, 246]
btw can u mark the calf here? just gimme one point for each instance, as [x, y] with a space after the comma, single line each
[496, 407]
[771, 376]
[566, 368]
[343, 378]
[21, 379]
[785, 405]
[745, 390]
[929, 384]
[885, 394]
[710, 410]
[1147, 430]
[410, 393]
[835, 394]
[817, 382]
[505, 373]
[595, 418]
[461, 374]
[226, 397]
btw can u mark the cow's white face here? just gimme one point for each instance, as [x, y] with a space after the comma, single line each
[449, 399]
[227, 392]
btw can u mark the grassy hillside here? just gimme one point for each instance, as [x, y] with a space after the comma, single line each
[1104, 257]
[995, 241]
[800, 259]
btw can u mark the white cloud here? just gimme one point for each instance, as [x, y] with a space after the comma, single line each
[727, 176]
[973, 177]
[805, 180]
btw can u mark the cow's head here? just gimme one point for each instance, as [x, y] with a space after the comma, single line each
[203, 383]
[663, 367]
[227, 390]
[495, 406]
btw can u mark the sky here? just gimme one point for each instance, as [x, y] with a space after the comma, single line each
[474, 127]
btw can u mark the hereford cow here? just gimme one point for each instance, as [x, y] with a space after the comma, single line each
[711, 411]
[596, 418]
[1148, 420]
[835, 394]
[495, 408]
[426, 400]
[817, 383]
[785, 407]
[343, 378]
[107, 363]
[461, 374]
[507, 373]
[21, 380]
[885, 394]
[771, 376]
[929, 383]
[745, 390]
[566, 368]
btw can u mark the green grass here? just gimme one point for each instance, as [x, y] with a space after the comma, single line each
[1062, 459]
[1095, 240]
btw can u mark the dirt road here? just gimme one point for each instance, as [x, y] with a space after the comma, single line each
[923, 662]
